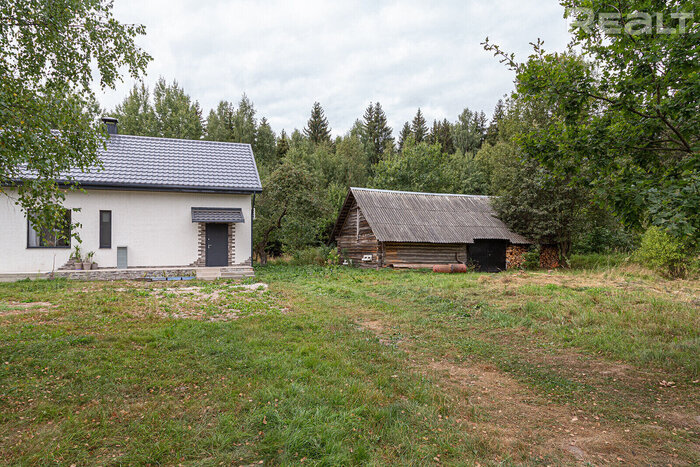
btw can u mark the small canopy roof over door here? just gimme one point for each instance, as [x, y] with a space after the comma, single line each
[234, 215]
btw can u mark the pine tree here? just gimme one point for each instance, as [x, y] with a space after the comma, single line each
[317, 129]
[135, 113]
[419, 127]
[405, 133]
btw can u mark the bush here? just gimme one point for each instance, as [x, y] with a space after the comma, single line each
[602, 239]
[318, 255]
[663, 252]
[532, 259]
[597, 260]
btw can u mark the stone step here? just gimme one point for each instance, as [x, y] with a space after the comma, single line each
[208, 274]
[237, 272]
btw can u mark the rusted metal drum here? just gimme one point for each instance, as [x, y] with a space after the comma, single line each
[450, 268]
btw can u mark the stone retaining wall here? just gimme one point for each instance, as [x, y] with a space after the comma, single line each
[124, 274]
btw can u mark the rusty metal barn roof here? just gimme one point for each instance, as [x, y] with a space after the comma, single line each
[402, 216]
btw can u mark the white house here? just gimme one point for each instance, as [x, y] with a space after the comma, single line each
[156, 203]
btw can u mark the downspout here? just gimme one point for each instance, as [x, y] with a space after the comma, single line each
[252, 213]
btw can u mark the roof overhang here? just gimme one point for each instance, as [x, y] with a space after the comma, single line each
[145, 187]
[227, 215]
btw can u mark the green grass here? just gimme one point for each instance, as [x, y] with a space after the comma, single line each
[92, 383]
[109, 375]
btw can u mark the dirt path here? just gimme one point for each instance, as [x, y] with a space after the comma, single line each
[531, 425]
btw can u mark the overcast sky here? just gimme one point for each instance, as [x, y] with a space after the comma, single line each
[286, 54]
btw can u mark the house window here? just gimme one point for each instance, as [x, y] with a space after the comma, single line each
[105, 229]
[58, 237]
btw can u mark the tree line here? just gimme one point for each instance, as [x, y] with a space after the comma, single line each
[596, 144]
[306, 173]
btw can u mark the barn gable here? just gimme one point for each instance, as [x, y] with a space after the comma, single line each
[354, 235]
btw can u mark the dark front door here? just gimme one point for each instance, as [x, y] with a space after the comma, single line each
[488, 255]
[217, 245]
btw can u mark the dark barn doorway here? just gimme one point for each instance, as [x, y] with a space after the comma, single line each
[488, 255]
[217, 245]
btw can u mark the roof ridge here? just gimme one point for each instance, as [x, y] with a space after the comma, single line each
[208, 141]
[418, 192]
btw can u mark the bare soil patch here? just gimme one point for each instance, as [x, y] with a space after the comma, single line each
[19, 308]
[687, 291]
[211, 302]
[528, 422]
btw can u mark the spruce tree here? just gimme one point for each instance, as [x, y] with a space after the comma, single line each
[419, 127]
[265, 147]
[492, 131]
[405, 133]
[376, 134]
[433, 136]
[368, 133]
[385, 139]
[282, 145]
[317, 129]
[443, 136]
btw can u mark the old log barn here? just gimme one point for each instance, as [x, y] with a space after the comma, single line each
[381, 228]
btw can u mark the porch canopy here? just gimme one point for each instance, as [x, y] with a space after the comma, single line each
[234, 215]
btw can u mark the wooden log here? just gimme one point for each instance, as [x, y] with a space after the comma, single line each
[450, 268]
[515, 256]
[549, 257]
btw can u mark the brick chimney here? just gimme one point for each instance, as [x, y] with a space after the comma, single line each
[111, 124]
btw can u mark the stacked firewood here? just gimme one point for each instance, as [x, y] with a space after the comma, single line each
[549, 257]
[515, 256]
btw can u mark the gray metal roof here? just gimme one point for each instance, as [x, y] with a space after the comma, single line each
[176, 164]
[402, 216]
[217, 215]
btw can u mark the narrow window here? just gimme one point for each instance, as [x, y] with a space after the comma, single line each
[56, 237]
[105, 229]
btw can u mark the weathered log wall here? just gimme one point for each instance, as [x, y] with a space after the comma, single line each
[515, 256]
[357, 240]
[423, 254]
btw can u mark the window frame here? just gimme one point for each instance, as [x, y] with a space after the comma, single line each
[67, 246]
[103, 247]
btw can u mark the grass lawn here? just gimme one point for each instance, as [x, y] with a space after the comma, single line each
[345, 366]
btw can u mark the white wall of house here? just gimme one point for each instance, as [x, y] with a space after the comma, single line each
[156, 227]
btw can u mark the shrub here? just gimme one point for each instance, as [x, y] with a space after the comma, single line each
[602, 239]
[532, 258]
[333, 257]
[317, 255]
[663, 252]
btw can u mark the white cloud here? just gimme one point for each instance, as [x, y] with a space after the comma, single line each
[286, 54]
